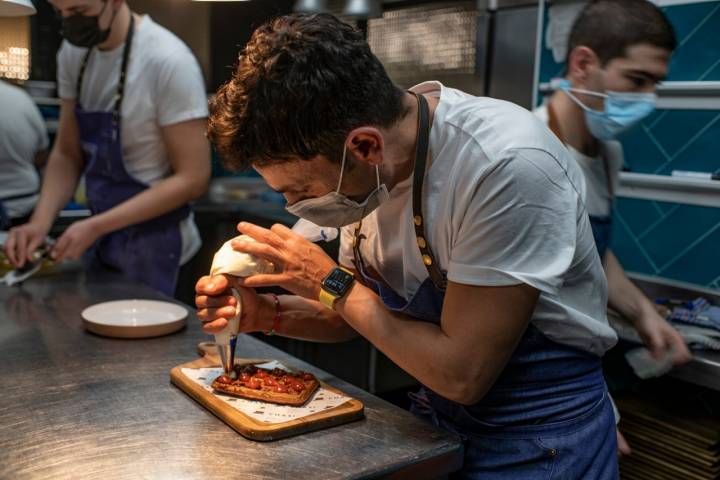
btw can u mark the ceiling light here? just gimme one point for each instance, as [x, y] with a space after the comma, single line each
[310, 6]
[363, 9]
[16, 8]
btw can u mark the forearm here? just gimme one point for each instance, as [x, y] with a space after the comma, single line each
[161, 198]
[59, 183]
[305, 319]
[423, 349]
[420, 348]
[623, 295]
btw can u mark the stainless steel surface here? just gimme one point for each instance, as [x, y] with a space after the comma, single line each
[79, 406]
[501, 4]
[704, 368]
[665, 188]
[513, 55]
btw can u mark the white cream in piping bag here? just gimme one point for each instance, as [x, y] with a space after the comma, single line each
[231, 262]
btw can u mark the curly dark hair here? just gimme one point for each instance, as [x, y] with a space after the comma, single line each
[609, 27]
[302, 83]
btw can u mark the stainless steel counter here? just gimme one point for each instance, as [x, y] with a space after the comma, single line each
[75, 405]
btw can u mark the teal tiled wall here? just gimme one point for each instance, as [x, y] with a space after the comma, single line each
[675, 241]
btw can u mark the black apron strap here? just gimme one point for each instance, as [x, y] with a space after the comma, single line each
[421, 154]
[123, 70]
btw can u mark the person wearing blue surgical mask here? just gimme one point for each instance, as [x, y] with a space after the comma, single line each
[618, 51]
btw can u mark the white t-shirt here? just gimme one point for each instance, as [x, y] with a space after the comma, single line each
[598, 196]
[164, 86]
[22, 135]
[502, 205]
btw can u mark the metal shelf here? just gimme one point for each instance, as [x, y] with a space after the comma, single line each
[670, 3]
[660, 3]
[679, 95]
[664, 188]
[689, 95]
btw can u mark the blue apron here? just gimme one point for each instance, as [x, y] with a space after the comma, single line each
[147, 252]
[601, 230]
[547, 416]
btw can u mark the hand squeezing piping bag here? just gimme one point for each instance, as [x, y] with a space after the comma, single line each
[231, 262]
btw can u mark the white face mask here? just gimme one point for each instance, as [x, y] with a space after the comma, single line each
[335, 209]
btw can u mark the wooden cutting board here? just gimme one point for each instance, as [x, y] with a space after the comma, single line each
[247, 426]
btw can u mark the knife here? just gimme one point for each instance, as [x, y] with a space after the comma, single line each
[21, 274]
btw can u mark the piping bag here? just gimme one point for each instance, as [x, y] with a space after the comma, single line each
[231, 262]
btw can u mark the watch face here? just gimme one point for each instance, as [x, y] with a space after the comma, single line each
[337, 282]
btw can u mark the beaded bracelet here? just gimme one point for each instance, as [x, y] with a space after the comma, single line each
[276, 321]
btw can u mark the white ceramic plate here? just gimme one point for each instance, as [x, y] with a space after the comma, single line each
[134, 318]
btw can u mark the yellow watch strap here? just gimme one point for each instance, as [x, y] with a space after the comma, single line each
[327, 298]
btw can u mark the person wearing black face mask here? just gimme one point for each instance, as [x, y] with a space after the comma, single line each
[132, 121]
[84, 30]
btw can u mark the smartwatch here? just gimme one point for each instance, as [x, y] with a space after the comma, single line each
[335, 285]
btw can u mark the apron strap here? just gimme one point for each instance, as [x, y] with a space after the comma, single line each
[555, 128]
[123, 70]
[421, 152]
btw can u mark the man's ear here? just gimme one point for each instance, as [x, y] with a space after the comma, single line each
[582, 61]
[366, 144]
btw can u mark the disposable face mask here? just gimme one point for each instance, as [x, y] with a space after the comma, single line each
[622, 110]
[314, 233]
[335, 209]
[84, 31]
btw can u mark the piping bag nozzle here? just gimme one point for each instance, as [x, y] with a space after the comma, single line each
[227, 339]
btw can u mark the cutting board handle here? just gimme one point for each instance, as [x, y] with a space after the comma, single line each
[207, 349]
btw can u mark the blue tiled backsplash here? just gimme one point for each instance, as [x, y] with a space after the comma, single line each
[675, 241]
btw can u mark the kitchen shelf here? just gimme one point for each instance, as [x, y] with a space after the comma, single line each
[660, 3]
[664, 188]
[671, 3]
[679, 95]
